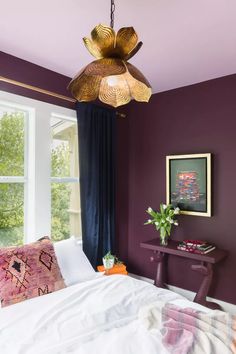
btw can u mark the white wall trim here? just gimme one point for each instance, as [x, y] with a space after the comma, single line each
[226, 306]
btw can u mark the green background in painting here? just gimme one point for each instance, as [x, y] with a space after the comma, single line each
[186, 165]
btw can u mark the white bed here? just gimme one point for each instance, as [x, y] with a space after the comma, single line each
[103, 315]
[111, 315]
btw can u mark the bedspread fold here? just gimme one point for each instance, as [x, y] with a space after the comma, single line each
[187, 331]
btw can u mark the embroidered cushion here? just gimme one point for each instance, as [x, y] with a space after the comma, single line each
[28, 271]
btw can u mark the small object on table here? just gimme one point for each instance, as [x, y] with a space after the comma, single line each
[196, 246]
[116, 269]
[205, 267]
[108, 261]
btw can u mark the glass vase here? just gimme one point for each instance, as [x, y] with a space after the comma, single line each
[108, 263]
[163, 237]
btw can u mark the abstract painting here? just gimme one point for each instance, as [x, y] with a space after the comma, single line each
[188, 183]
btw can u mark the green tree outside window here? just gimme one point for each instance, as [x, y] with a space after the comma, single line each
[12, 194]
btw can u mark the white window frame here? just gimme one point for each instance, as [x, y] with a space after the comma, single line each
[67, 179]
[28, 122]
[64, 179]
[37, 179]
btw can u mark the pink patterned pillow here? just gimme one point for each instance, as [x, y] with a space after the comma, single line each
[28, 271]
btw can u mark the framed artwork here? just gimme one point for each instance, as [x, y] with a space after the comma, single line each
[188, 183]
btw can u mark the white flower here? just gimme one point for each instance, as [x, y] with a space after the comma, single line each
[171, 221]
[177, 210]
[163, 219]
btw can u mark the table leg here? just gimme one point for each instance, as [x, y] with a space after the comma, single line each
[159, 258]
[207, 272]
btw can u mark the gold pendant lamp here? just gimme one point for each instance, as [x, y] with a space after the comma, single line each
[111, 78]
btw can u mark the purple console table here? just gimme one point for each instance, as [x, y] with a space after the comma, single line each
[205, 267]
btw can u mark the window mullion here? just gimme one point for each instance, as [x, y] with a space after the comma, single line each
[29, 206]
[64, 179]
[12, 179]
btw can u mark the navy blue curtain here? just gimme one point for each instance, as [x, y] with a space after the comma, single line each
[96, 130]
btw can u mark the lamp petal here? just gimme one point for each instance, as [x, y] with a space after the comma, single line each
[138, 90]
[134, 51]
[137, 74]
[126, 40]
[85, 88]
[105, 67]
[92, 48]
[114, 93]
[77, 75]
[103, 37]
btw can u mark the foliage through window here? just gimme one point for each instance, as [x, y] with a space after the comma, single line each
[12, 152]
[65, 200]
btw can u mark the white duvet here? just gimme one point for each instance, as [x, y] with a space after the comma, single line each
[98, 316]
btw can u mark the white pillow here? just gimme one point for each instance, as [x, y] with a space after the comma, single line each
[75, 266]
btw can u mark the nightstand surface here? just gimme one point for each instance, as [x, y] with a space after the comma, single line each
[205, 266]
[212, 257]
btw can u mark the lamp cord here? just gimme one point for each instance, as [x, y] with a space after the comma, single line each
[112, 13]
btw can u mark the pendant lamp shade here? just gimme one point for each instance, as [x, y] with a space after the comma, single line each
[111, 78]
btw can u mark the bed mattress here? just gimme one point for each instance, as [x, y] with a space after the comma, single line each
[111, 314]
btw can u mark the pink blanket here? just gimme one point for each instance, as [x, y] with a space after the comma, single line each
[188, 331]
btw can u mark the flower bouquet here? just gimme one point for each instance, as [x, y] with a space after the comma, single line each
[163, 220]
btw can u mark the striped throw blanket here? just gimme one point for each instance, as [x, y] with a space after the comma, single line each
[188, 331]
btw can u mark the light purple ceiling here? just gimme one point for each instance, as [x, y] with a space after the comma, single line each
[185, 41]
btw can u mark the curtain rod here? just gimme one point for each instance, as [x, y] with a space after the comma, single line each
[45, 92]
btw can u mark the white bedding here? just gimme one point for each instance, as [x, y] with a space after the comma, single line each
[98, 316]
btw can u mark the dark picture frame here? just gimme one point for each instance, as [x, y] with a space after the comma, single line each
[188, 183]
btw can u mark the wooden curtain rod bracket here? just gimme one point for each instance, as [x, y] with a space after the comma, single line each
[45, 92]
[121, 115]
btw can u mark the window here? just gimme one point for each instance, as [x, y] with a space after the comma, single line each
[39, 174]
[12, 174]
[65, 193]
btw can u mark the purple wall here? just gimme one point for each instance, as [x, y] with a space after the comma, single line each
[35, 75]
[195, 119]
[198, 118]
